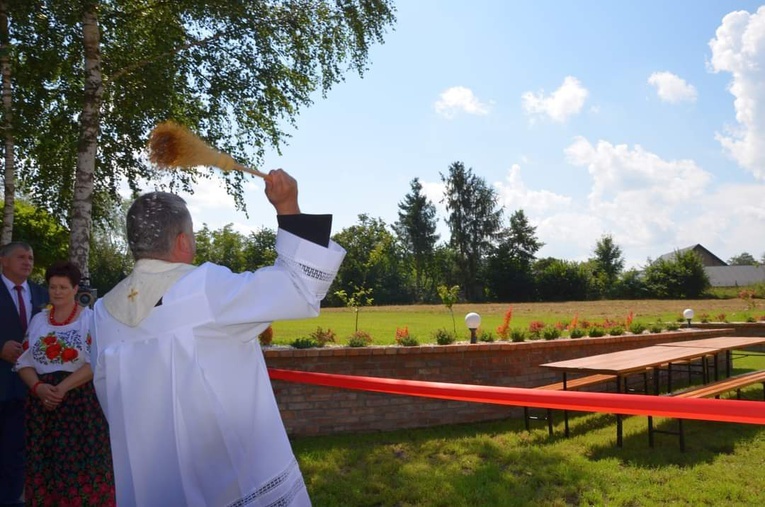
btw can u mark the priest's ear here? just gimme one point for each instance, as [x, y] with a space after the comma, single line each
[184, 248]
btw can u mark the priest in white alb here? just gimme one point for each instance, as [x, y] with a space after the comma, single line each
[178, 368]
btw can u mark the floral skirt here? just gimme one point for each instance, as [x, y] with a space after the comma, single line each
[69, 461]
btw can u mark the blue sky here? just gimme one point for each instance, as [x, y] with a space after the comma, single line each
[640, 119]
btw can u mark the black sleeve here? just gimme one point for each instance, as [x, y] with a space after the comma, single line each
[314, 228]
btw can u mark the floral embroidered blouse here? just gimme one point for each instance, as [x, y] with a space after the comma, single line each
[49, 348]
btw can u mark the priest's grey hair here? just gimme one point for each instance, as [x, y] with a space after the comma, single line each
[154, 220]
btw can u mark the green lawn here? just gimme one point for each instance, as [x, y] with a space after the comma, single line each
[500, 464]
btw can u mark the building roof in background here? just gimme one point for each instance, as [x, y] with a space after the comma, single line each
[735, 276]
[708, 258]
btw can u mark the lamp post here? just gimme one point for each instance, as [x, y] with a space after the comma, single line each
[472, 320]
[688, 315]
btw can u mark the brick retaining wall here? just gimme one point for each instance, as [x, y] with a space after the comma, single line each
[314, 410]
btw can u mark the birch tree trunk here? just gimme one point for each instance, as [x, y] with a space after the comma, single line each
[82, 204]
[6, 236]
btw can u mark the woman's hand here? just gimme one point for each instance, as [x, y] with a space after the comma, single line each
[50, 395]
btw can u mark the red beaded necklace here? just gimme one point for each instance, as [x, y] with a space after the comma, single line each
[68, 319]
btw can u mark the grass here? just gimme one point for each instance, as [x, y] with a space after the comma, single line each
[500, 464]
[423, 320]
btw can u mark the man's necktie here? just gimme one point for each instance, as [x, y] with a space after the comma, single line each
[22, 308]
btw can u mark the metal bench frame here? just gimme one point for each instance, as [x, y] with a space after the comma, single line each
[736, 383]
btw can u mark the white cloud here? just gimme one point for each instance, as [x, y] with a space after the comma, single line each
[739, 48]
[459, 99]
[434, 191]
[644, 200]
[672, 88]
[514, 195]
[617, 169]
[563, 103]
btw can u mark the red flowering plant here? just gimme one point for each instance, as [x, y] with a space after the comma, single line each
[504, 329]
[535, 328]
[628, 320]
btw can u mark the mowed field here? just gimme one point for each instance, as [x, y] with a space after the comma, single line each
[381, 322]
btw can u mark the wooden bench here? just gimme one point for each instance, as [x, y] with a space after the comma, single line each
[714, 389]
[570, 385]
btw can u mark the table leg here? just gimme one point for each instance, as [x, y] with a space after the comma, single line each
[656, 383]
[728, 362]
[619, 389]
[565, 412]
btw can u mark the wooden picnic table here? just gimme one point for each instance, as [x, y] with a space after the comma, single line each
[627, 362]
[721, 344]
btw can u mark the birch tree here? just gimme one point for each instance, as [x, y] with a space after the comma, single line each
[237, 72]
[9, 178]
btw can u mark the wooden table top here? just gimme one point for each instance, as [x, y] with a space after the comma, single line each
[721, 342]
[629, 361]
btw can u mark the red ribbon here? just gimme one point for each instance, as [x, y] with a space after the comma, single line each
[738, 411]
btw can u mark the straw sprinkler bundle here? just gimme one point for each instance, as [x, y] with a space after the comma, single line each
[173, 145]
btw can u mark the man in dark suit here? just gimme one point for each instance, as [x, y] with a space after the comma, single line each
[19, 301]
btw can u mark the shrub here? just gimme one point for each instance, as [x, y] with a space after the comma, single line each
[518, 335]
[656, 327]
[304, 343]
[322, 337]
[616, 331]
[360, 339]
[704, 318]
[404, 338]
[722, 318]
[673, 326]
[637, 328]
[550, 333]
[444, 337]
[266, 337]
[577, 332]
[749, 318]
[535, 329]
[679, 277]
[596, 332]
[485, 336]
[407, 341]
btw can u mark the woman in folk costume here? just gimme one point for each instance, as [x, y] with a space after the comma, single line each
[67, 439]
[178, 367]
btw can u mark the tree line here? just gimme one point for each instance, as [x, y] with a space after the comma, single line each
[490, 255]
